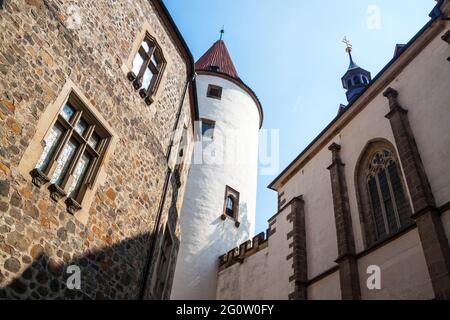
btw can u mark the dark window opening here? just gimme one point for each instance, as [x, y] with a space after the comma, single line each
[214, 92]
[387, 198]
[214, 68]
[231, 205]
[208, 127]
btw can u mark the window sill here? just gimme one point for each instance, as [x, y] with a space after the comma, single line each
[224, 217]
[137, 84]
[382, 242]
[39, 179]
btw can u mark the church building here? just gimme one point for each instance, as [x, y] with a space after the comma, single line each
[364, 210]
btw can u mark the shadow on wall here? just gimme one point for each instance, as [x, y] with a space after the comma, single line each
[110, 273]
[225, 233]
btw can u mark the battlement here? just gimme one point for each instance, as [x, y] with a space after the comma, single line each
[245, 250]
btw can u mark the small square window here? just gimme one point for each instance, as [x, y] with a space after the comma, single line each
[214, 92]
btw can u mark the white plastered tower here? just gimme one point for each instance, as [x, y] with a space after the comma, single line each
[224, 167]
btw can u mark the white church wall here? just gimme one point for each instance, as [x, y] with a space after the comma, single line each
[368, 125]
[280, 269]
[404, 273]
[424, 92]
[328, 288]
[313, 182]
[204, 236]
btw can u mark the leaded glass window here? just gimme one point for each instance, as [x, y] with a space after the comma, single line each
[73, 150]
[387, 198]
[147, 68]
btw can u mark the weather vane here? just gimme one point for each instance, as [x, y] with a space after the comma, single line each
[222, 31]
[349, 45]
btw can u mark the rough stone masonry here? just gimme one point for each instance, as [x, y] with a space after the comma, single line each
[40, 49]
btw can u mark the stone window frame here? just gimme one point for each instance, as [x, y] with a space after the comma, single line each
[211, 94]
[235, 195]
[147, 31]
[79, 207]
[366, 214]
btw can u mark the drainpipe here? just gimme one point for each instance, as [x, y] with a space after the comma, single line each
[151, 251]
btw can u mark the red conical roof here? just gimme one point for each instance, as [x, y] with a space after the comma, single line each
[217, 58]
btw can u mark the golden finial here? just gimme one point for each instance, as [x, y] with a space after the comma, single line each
[349, 45]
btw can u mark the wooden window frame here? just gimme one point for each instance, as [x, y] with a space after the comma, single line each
[157, 70]
[212, 87]
[230, 192]
[97, 154]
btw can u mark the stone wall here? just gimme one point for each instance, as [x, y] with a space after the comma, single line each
[44, 43]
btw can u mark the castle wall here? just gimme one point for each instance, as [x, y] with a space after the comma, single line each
[263, 273]
[229, 160]
[44, 47]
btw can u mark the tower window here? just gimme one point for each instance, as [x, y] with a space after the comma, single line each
[231, 205]
[148, 66]
[208, 129]
[357, 80]
[365, 80]
[214, 68]
[214, 92]
[349, 83]
[73, 151]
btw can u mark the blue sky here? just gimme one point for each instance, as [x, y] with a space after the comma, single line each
[290, 53]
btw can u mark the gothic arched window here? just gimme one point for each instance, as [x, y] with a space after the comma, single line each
[385, 206]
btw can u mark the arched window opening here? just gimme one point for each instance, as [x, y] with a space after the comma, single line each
[383, 202]
[349, 83]
[357, 80]
[365, 80]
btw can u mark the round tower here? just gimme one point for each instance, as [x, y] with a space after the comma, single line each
[218, 211]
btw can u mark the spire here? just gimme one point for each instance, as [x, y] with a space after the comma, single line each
[356, 78]
[217, 59]
[222, 31]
